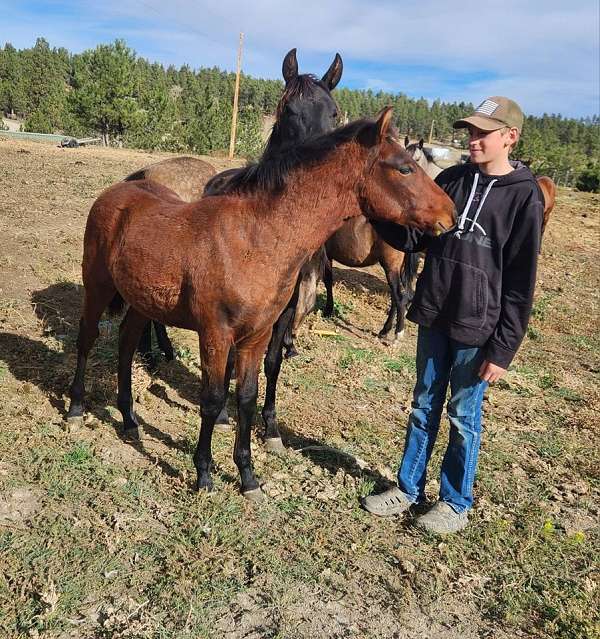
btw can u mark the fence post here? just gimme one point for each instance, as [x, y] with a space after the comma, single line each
[235, 99]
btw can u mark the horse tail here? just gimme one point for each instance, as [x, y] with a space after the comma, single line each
[408, 273]
[116, 305]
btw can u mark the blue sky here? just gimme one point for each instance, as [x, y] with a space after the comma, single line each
[543, 53]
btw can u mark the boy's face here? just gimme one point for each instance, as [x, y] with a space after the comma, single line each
[488, 146]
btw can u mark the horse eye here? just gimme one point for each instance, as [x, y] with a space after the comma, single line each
[405, 170]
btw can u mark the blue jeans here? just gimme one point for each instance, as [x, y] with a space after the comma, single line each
[442, 360]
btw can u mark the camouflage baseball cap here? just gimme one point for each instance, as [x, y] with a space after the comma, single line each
[494, 113]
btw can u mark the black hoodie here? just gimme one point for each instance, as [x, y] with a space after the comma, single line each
[478, 280]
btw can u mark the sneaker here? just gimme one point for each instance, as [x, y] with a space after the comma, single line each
[442, 519]
[392, 502]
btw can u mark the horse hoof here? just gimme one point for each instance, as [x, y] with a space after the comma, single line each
[223, 427]
[131, 435]
[387, 338]
[73, 423]
[255, 495]
[204, 486]
[400, 335]
[274, 445]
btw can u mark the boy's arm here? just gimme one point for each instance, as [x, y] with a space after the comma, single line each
[518, 283]
[402, 238]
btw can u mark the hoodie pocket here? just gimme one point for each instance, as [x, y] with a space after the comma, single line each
[456, 292]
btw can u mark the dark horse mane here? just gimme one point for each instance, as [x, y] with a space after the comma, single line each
[270, 173]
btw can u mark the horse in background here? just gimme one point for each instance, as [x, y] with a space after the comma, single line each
[548, 189]
[227, 266]
[358, 245]
[423, 157]
[186, 176]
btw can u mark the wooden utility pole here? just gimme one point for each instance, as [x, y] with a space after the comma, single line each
[235, 99]
[431, 131]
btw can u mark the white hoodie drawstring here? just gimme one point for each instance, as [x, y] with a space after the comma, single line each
[489, 186]
[463, 216]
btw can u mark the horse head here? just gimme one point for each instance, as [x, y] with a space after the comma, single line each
[395, 188]
[306, 107]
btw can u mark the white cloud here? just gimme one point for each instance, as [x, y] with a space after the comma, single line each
[544, 53]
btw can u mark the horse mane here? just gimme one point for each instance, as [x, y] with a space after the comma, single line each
[270, 173]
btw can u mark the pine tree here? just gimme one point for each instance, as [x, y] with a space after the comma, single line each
[103, 97]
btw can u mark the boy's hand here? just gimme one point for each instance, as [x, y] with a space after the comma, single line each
[491, 372]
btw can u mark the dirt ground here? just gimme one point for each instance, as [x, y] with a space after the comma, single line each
[102, 538]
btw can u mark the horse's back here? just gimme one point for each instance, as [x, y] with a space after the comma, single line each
[186, 176]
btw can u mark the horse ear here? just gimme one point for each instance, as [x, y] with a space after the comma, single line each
[334, 74]
[289, 67]
[421, 141]
[406, 141]
[384, 122]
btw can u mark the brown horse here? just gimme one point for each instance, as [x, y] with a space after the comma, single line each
[548, 189]
[357, 244]
[305, 109]
[186, 176]
[227, 266]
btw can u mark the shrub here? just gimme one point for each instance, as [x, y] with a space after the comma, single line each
[589, 178]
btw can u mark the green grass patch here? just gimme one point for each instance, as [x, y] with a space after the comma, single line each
[400, 364]
[353, 356]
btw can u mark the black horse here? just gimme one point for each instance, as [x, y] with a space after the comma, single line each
[306, 109]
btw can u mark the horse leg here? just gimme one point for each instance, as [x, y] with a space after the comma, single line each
[164, 343]
[145, 348]
[96, 300]
[328, 282]
[130, 331]
[396, 307]
[273, 361]
[223, 423]
[392, 262]
[385, 332]
[288, 344]
[247, 365]
[213, 358]
[406, 288]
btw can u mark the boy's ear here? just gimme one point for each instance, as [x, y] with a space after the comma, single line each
[513, 136]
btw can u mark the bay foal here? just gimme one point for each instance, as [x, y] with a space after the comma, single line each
[227, 266]
[305, 109]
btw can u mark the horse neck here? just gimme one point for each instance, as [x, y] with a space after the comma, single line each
[317, 200]
[277, 141]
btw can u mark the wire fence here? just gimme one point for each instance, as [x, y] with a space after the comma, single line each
[561, 176]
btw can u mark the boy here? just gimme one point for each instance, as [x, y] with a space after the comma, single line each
[472, 305]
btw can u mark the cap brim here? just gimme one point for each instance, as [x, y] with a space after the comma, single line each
[485, 124]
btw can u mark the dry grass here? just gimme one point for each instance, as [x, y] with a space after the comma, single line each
[99, 538]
